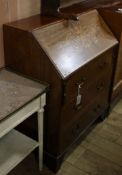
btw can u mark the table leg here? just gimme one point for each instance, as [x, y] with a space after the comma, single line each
[40, 137]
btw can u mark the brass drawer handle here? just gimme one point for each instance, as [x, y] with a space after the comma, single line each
[102, 65]
[97, 108]
[81, 83]
[100, 87]
[76, 130]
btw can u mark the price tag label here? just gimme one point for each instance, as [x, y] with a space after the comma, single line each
[78, 100]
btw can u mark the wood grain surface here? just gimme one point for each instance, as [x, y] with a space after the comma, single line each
[84, 39]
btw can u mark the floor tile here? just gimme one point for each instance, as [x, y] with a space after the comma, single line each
[118, 107]
[95, 164]
[72, 170]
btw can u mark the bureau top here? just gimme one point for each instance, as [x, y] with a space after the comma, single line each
[33, 22]
[16, 91]
[72, 44]
[67, 44]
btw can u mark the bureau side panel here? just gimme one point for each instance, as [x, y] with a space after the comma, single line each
[117, 89]
[24, 55]
[114, 21]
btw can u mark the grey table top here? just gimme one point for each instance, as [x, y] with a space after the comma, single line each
[16, 91]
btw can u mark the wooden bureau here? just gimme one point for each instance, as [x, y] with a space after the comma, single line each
[76, 59]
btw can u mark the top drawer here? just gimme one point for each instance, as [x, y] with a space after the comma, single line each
[89, 73]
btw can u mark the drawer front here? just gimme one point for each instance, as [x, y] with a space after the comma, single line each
[71, 110]
[70, 133]
[89, 73]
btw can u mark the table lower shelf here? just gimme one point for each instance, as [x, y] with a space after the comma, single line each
[14, 147]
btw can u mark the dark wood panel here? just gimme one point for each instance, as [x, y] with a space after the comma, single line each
[113, 18]
[33, 22]
[87, 75]
[71, 110]
[117, 87]
[65, 3]
[85, 119]
[50, 7]
[57, 7]
[89, 5]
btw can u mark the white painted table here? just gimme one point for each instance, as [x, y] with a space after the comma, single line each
[19, 99]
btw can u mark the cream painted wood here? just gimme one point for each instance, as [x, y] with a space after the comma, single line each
[18, 117]
[11, 122]
[65, 3]
[40, 137]
[40, 130]
[14, 147]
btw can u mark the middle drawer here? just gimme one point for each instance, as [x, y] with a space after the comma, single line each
[71, 110]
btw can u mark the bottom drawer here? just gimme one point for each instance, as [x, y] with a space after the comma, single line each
[69, 134]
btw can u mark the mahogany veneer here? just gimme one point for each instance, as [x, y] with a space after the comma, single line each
[75, 58]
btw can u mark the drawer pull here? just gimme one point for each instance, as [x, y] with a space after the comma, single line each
[78, 97]
[76, 130]
[97, 108]
[100, 87]
[81, 83]
[102, 65]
